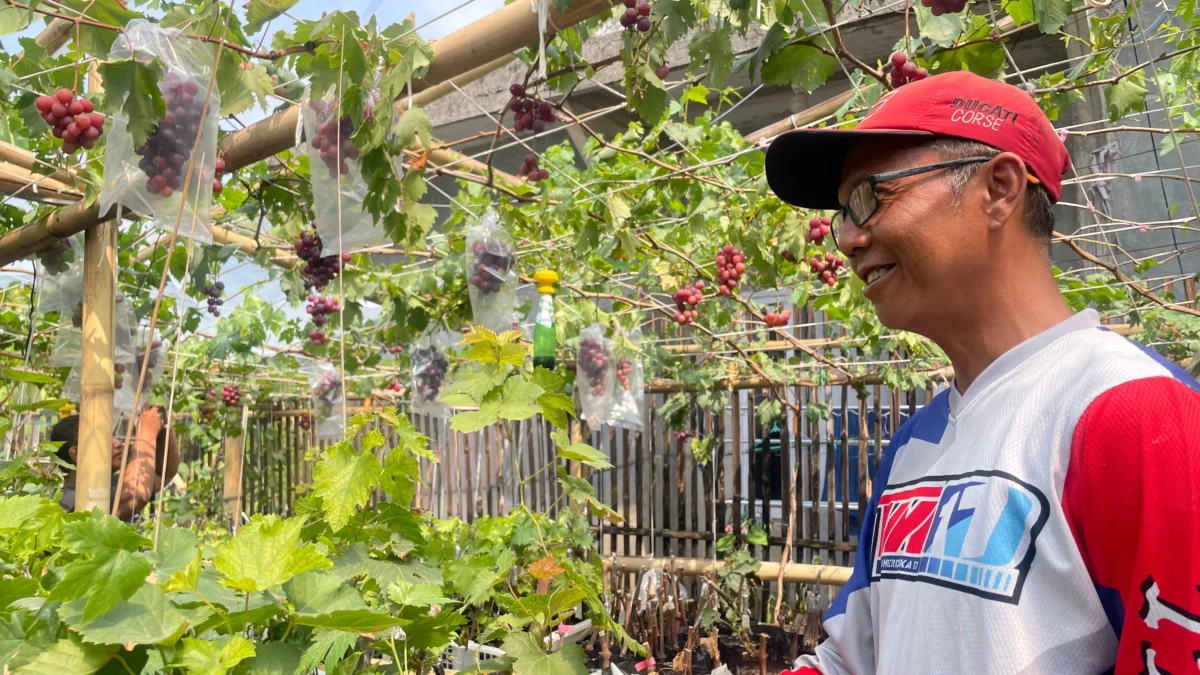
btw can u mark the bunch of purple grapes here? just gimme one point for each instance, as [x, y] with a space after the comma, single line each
[231, 395]
[318, 270]
[530, 169]
[168, 148]
[491, 266]
[333, 141]
[529, 114]
[636, 16]
[940, 7]
[56, 257]
[593, 360]
[320, 308]
[213, 291]
[429, 376]
[326, 385]
[905, 71]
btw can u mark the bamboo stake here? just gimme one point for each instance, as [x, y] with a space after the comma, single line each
[796, 573]
[93, 478]
[233, 450]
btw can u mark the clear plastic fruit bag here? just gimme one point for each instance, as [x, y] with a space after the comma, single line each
[333, 169]
[151, 178]
[429, 369]
[325, 384]
[594, 375]
[625, 406]
[491, 269]
[68, 340]
[59, 275]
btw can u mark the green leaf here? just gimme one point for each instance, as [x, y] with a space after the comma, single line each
[110, 577]
[411, 594]
[475, 383]
[146, 618]
[520, 396]
[773, 41]
[275, 658]
[344, 480]
[413, 123]
[677, 17]
[28, 377]
[98, 41]
[1052, 14]
[15, 589]
[649, 102]
[1124, 96]
[580, 452]
[756, 536]
[716, 46]
[131, 88]
[352, 620]
[213, 657]
[575, 487]
[12, 19]
[556, 406]
[799, 64]
[1021, 11]
[469, 421]
[261, 12]
[941, 30]
[531, 659]
[316, 593]
[67, 656]
[44, 404]
[177, 548]
[266, 553]
[242, 84]
[328, 646]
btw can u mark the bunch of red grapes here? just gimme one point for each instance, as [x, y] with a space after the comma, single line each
[218, 169]
[686, 300]
[394, 385]
[826, 268]
[636, 16]
[429, 378]
[231, 396]
[905, 71]
[593, 359]
[333, 141]
[682, 436]
[213, 291]
[167, 150]
[303, 420]
[731, 265]
[530, 170]
[56, 257]
[775, 320]
[624, 370]
[940, 7]
[318, 270]
[395, 349]
[320, 308]
[529, 114]
[326, 385]
[72, 119]
[490, 269]
[817, 229]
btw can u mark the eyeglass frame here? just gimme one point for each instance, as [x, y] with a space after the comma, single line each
[876, 179]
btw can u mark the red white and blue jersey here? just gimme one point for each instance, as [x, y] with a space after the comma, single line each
[1047, 520]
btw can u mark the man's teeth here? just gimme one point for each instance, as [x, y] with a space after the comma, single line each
[876, 273]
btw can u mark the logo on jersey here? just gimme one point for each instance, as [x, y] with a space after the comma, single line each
[973, 533]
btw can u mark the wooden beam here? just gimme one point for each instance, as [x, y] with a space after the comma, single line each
[233, 449]
[27, 160]
[93, 478]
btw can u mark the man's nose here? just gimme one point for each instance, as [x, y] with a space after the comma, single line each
[852, 239]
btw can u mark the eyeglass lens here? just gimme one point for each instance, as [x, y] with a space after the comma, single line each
[858, 209]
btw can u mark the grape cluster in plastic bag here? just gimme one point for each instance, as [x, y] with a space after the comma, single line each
[491, 269]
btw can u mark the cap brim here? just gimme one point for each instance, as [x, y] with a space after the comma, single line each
[804, 166]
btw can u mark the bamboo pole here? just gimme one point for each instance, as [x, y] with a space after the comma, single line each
[796, 573]
[93, 480]
[234, 447]
[24, 184]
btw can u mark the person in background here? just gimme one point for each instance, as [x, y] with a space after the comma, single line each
[1042, 514]
[153, 460]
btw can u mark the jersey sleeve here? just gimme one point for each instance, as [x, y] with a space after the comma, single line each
[1132, 498]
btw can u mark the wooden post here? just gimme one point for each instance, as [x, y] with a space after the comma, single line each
[233, 477]
[93, 480]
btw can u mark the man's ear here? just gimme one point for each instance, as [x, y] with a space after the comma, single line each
[1005, 180]
[73, 453]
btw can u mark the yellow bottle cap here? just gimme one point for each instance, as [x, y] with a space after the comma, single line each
[545, 279]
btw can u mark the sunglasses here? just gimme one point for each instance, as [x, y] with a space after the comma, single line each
[863, 199]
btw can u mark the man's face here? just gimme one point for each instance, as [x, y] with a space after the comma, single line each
[118, 448]
[918, 235]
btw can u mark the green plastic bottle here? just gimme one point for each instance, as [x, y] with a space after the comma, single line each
[545, 338]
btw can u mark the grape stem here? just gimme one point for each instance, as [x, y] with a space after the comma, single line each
[271, 55]
[842, 52]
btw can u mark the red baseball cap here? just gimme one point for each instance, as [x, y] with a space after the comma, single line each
[804, 166]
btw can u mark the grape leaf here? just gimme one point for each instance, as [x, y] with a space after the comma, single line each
[1124, 96]
[715, 45]
[432, 633]
[15, 589]
[344, 479]
[575, 487]
[1021, 11]
[328, 646]
[1052, 14]
[27, 376]
[469, 421]
[316, 593]
[242, 83]
[941, 30]
[260, 12]
[275, 658]
[519, 397]
[403, 592]
[773, 41]
[98, 41]
[12, 19]
[266, 553]
[352, 620]
[799, 64]
[110, 577]
[146, 618]
[177, 548]
[131, 90]
[399, 478]
[413, 123]
[580, 452]
[678, 17]
[67, 656]
[649, 102]
[532, 659]
[475, 383]
[213, 657]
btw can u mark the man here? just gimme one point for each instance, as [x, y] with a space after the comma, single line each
[1043, 514]
[153, 450]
